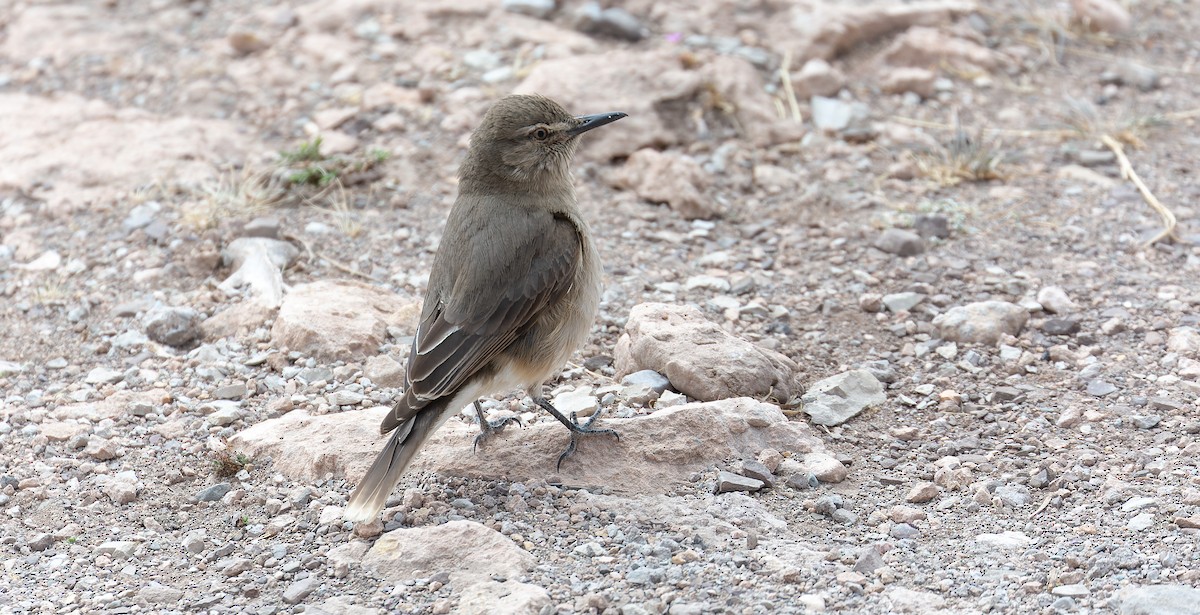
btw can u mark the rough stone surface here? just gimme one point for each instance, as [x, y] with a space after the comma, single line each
[900, 242]
[655, 452]
[839, 398]
[173, 326]
[409, 553]
[331, 320]
[701, 360]
[1159, 600]
[673, 179]
[984, 322]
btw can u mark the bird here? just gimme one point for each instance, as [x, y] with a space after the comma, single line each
[513, 290]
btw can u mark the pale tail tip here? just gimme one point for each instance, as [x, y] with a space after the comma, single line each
[358, 514]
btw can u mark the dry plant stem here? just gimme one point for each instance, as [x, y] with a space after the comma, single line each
[1168, 217]
[786, 77]
[313, 255]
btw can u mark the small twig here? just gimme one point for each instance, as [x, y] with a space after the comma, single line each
[1168, 217]
[786, 77]
[348, 269]
[314, 255]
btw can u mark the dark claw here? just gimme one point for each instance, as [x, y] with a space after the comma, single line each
[488, 428]
[578, 430]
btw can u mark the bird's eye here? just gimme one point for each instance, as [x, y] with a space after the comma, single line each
[541, 134]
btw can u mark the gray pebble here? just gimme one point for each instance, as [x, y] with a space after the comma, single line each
[900, 242]
[213, 493]
[728, 481]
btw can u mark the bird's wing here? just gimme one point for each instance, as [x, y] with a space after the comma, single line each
[494, 288]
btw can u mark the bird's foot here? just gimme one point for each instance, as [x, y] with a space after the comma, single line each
[487, 428]
[578, 430]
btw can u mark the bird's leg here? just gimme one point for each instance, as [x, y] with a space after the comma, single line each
[578, 429]
[488, 428]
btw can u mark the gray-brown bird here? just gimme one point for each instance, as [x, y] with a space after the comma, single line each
[513, 291]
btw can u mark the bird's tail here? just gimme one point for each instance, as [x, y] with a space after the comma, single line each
[408, 438]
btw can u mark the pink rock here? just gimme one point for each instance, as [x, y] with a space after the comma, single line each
[1102, 15]
[699, 358]
[667, 177]
[332, 320]
[656, 453]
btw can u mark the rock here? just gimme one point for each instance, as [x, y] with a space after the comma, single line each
[262, 226]
[121, 492]
[900, 242]
[899, 80]
[869, 560]
[1185, 341]
[245, 42]
[839, 398]
[62, 431]
[1013, 495]
[1055, 300]
[922, 47]
[299, 590]
[40, 542]
[1102, 15]
[648, 378]
[507, 598]
[340, 320]
[1004, 540]
[117, 549]
[384, 371]
[817, 78]
[103, 375]
[728, 481]
[902, 302]
[932, 225]
[658, 91]
[234, 566]
[870, 302]
[826, 30]
[1100, 388]
[1141, 522]
[1138, 75]
[656, 452]
[904, 600]
[1158, 600]
[1074, 590]
[836, 115]
[803, 481]
[258, 264]
[667, 177]
[758, 471]
[984, 322]
[921, 492]
[615, 22]
[339, 606]
[238, 319]
[534, 8]
[1145, 421]
[213, 493]
[1187, 523]
[1060, 326]
[825, 467]
[699, 358]
[160, 594]
[101, 449]
[407, 553]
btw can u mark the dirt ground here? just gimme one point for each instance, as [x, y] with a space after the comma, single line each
[139, 138]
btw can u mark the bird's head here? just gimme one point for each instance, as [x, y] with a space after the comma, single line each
[525, 139]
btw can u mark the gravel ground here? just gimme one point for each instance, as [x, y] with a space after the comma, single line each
[1054, 470]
